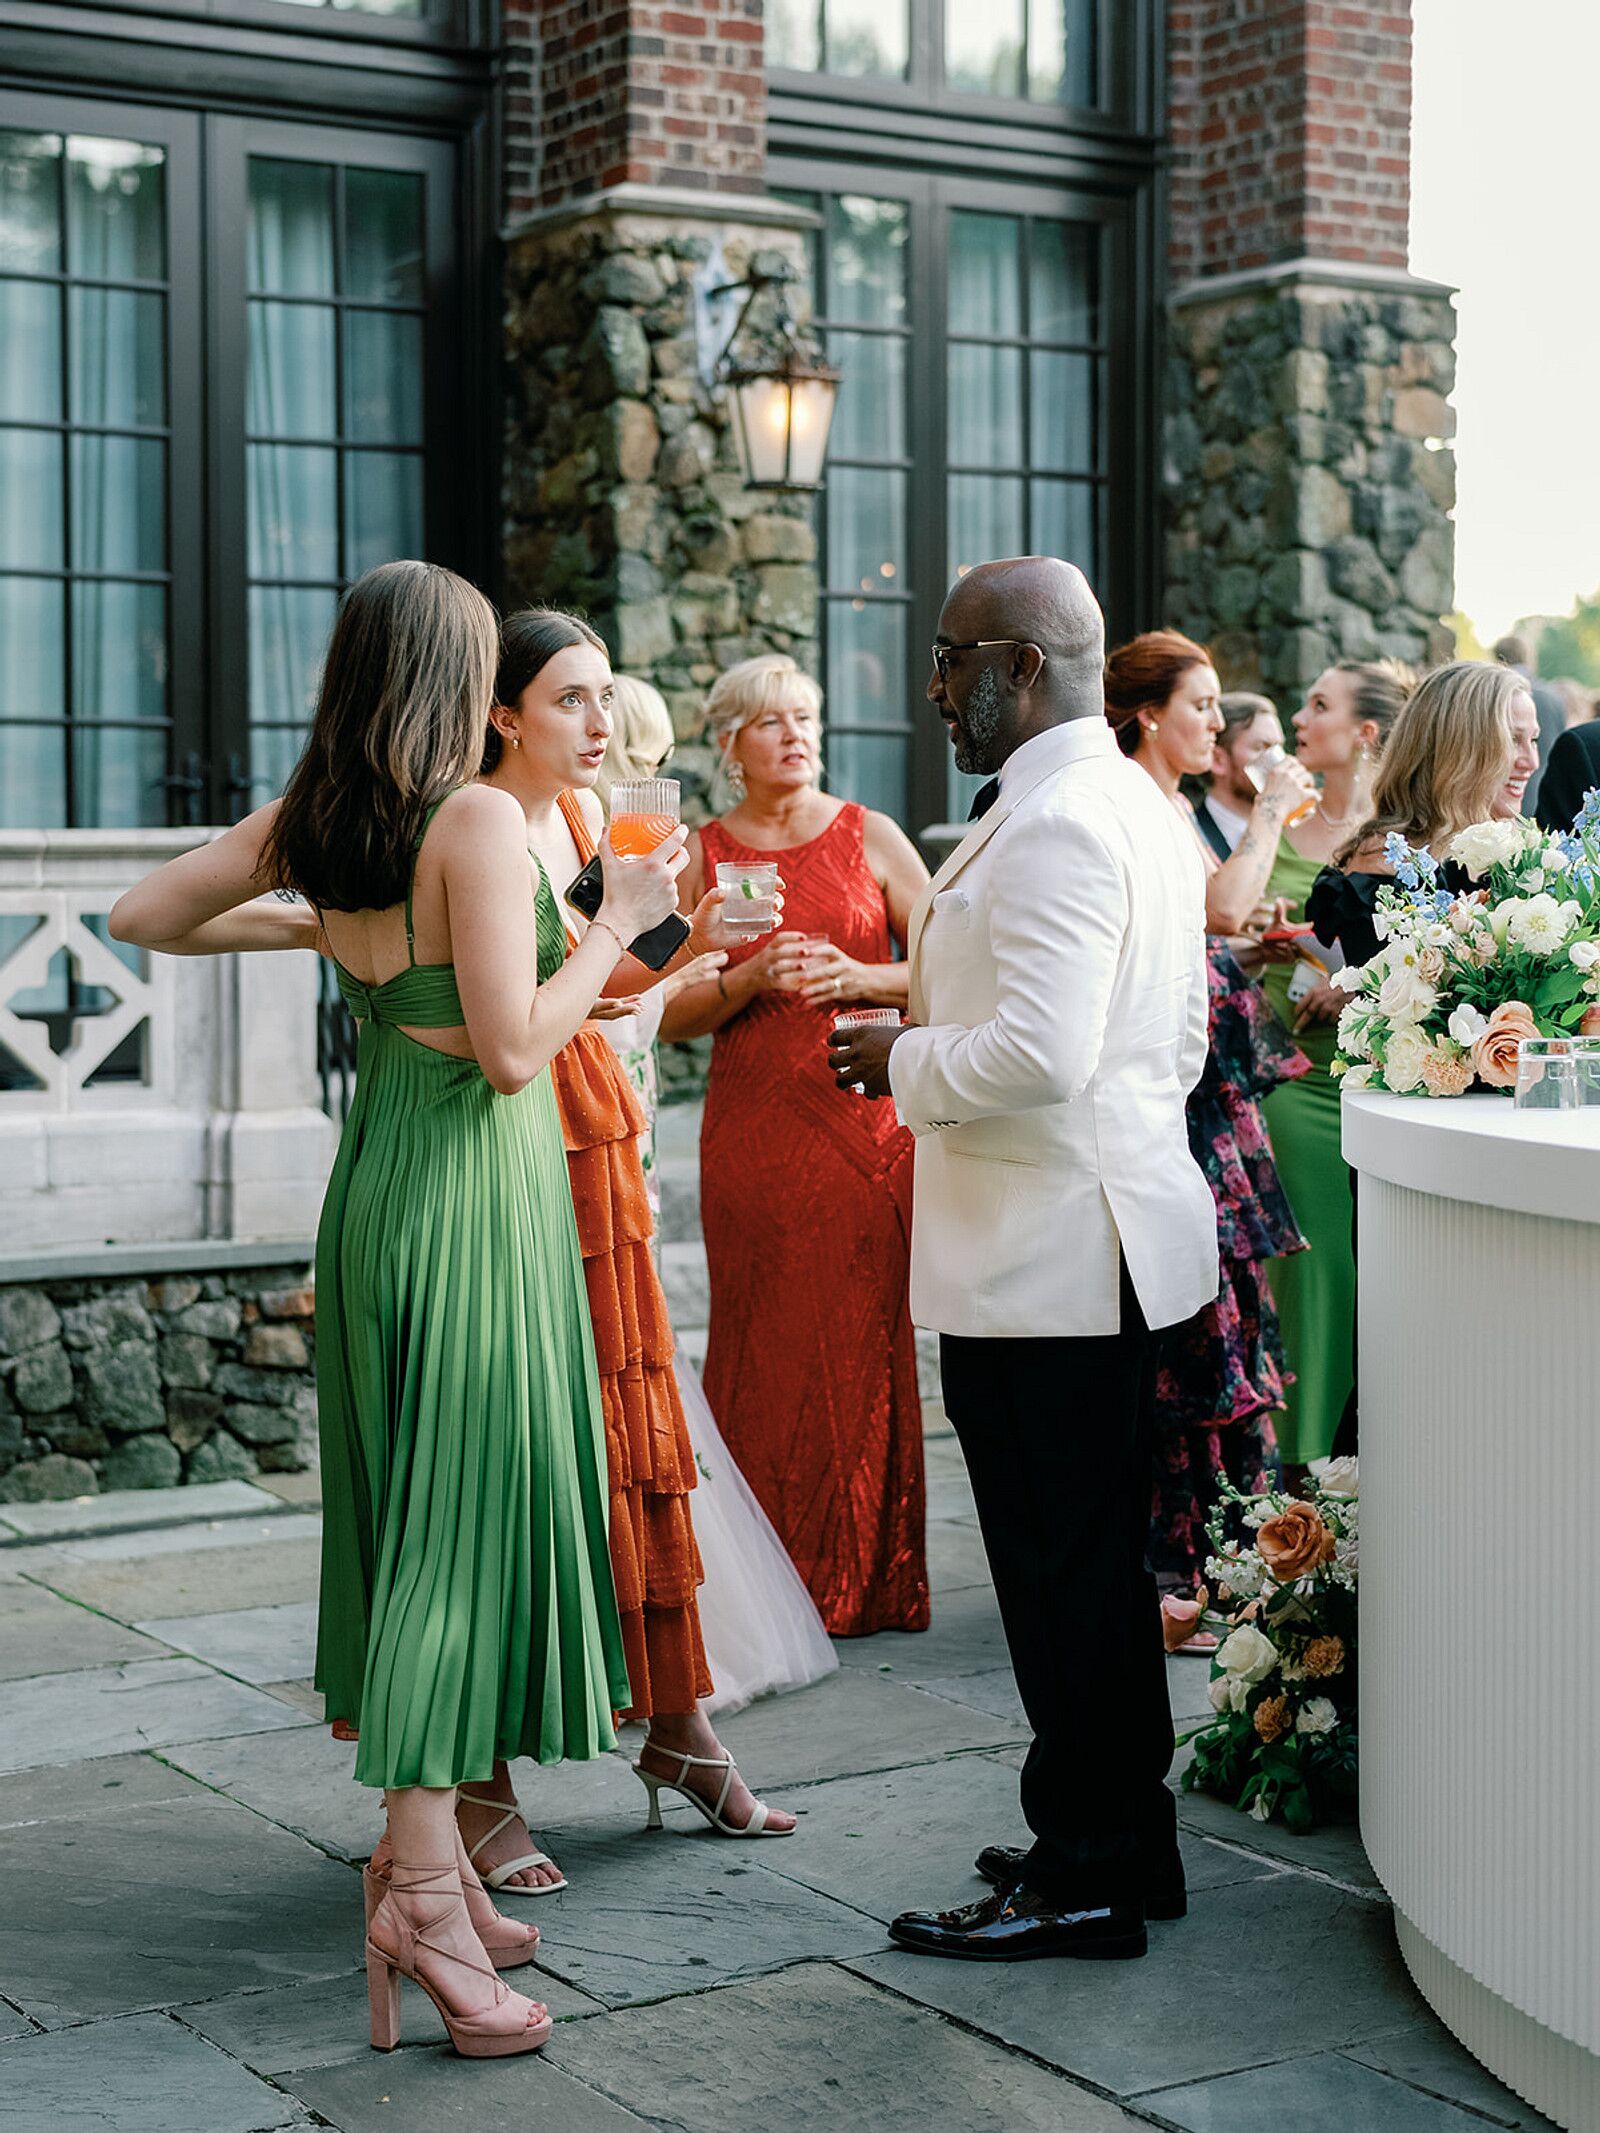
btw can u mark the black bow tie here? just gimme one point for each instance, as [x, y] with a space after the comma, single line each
[983, 799]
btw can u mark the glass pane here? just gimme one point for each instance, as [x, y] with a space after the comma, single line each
[119, 503]
[985, 418]
[1064, 281]
[294, 511]
[292, 371]
[119, 651]
[866, 261]
[117, 339]
[1063, 412]
[985, 273]
[30, 500]
[867, 37]
[116, 210]
[274, 751]
[1062, 55]
[30, 202]
[289, 630]
[871, 768]
[866, 528]
[869, 419]
[382, 377]
[119, 774]
[793, 38]
[30, 334]
[32, 683]
[1064, 523]
[33, 777]
[383, 235]
[985, 520]
[983, 46]
[291, 228]
[382, 508]
[136, 959]
[866, 660]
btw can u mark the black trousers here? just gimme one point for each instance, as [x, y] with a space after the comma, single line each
[1058, 1440]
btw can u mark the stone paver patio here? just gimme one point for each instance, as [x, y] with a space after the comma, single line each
[180, 1946]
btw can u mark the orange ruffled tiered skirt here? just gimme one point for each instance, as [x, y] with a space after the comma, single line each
[650, 1463]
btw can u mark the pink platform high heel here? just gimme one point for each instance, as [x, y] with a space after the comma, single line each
[506, 1943]
[508, 2026]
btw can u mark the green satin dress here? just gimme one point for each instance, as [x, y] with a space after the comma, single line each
[1315, 1291]
[467, 1606]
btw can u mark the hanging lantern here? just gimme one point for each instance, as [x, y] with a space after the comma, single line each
[783, 395]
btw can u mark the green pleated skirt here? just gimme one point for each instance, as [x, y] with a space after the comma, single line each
[467, 1609]
[1315, 1291]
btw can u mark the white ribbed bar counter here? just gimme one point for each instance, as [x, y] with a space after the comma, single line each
[1479, 1259]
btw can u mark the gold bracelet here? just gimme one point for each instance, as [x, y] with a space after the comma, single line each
[609, 928]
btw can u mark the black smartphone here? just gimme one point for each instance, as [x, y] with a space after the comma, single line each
[654, 949]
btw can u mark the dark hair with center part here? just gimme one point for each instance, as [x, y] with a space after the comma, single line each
[529, 640]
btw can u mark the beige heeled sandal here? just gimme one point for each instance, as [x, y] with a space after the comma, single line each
[508, 2026]
[757, 1826]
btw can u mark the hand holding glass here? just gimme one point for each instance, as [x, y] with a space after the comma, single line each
[750, 905]
[1260, 775]
[867, 1018]
[644, 812]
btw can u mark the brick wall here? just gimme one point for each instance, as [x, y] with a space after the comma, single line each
[602, 92]
[1290, 123]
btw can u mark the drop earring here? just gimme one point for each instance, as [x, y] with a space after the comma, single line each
[733, 771]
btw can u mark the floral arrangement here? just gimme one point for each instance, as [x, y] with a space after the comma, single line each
[1461, 980]
[1283, 1680]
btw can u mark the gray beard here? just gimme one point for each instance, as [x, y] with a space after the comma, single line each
[978, 727]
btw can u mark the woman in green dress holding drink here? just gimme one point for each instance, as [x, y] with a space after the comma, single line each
[1339, 732]
[467, 1609]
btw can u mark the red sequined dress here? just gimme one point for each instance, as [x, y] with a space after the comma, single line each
[805, 1200]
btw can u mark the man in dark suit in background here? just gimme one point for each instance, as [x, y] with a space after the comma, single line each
[1571, 769]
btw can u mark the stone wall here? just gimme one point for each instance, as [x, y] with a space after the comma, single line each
[1308, 474]
[622, 490]
[133, 1384]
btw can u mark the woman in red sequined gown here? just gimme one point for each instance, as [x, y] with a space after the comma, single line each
[805, 1192]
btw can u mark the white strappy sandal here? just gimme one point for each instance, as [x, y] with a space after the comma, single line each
[498, 1878]
[655, 1786]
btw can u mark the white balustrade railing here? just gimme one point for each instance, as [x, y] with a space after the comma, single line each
[145, 1099]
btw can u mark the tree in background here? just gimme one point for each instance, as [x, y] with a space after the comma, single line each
[1469, 645]
[1569, 645]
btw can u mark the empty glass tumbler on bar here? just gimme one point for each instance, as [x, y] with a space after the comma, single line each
[750, 906]
[644, 813]
[1558, 1073]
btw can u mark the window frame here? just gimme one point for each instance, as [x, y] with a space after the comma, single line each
[454, 25]
[177, 133]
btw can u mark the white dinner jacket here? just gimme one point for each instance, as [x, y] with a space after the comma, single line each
[1058, 969]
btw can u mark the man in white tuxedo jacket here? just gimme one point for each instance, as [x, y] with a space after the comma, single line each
[1058, 977]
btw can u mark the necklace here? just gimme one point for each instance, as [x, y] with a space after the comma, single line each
[1335, 822]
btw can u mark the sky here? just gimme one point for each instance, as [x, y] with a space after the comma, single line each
[1505, 170]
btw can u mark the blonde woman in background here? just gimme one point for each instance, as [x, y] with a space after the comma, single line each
[762, 1633]
[805, 1193]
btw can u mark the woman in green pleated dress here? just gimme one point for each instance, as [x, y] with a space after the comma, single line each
[467, 1609]
[1339, 732]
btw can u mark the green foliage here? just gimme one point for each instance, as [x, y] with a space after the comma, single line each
[1569, 650]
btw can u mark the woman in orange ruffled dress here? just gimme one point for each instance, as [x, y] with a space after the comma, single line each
[551, 723]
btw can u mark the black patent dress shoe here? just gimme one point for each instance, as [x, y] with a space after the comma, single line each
[1014, 1925]
[1003, 1866]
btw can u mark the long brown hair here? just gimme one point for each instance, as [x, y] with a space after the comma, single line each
[1142, 675]
[399, 723]
[1446, 756]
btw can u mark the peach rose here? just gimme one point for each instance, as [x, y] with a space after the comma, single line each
[1324, 1656]
[1272, 1718]
[1293, 1541]
[1495, 1053]
[1590, 1025]
[1180, 1619]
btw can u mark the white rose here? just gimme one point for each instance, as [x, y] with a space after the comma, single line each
[1351, 978]
[1486, 845]
[1360, 1077]
[1406, 996]
[1403, 1056]
[1354, 1023]
[1217, 1690]
[1340, 1477]
[1540, 925]
[1317, 1716]
[1467, 1025]
[1248, 1655]
[1584, 955]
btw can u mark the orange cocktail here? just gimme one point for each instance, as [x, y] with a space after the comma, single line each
[644, 813]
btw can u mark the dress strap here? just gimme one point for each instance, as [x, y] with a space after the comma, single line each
[411, 877]
[582, 835]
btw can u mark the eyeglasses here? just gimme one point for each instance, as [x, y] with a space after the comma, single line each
[943, 653]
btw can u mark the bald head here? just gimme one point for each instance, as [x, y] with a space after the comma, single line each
[1040, 600]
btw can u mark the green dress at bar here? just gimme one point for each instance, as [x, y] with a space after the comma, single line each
[467, 1606]
[1315, 1291]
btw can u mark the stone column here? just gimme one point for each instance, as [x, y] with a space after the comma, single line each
[622, 491]
[1309, 477]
